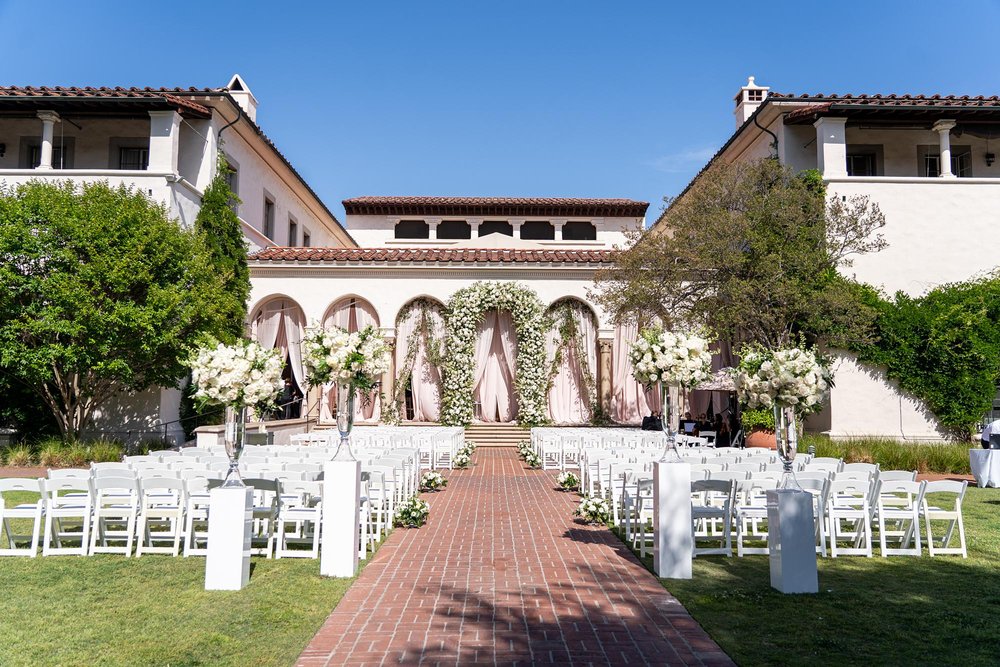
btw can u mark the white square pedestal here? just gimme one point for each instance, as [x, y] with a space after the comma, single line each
[341, 518]
[230, 514]
[673, 542]
[791, 541]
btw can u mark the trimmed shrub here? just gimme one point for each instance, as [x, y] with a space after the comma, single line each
[106, 451]
[19, 455]
[937, 457]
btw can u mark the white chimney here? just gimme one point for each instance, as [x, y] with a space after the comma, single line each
[750, 97]
[240, 91]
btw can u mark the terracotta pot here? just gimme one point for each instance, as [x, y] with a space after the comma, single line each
[761, 438]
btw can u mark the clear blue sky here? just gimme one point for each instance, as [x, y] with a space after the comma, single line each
[536, 98]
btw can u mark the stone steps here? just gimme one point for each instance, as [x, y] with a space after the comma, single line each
[496, 435]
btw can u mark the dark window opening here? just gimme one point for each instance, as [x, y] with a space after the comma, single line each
[862, 164]
[412, 229]
[538, 230]
[496, 227]
[269, 219]
[293, 232]
[454, 229]
[579, 231]
[134, 159]
[306, 239]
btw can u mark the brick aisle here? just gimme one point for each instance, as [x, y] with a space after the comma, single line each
[500, 575]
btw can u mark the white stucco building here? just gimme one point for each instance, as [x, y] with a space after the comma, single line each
[929, 162]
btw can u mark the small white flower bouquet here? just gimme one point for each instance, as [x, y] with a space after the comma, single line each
[532, 459]
[243, 375]
[523, 448]
[334, 355]
[568, 481]
[432, 481]
[461, 460]
[798, 377]
[594, 510]
[413, 513]
[671, 357]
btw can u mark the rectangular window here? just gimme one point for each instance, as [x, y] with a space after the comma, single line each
[293, 232]
[861, 164]
[232, 177]
[306, 239]
[133, 159]
[929, 161]
[268, 219]
[58, 158]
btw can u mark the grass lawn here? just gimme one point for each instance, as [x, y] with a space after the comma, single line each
[111, 610]
[879, 611]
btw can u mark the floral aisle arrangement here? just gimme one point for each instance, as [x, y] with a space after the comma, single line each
[240, 377]
[595, 510]
[792, 382]
[465, 311]
[532, 459]
[523, 448]
[432, 481]
[413, 513]
[568, 481]
[463, 457]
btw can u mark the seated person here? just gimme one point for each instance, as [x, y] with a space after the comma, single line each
[723, 437]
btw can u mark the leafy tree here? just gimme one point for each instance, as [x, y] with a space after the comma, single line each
[100, 293]
[752, 251]
[218, 223]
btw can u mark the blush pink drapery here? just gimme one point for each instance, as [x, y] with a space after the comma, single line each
[722, 357]
[630, 401]
[280, 324]
[352, 314]
[568, 402]
[493, 381]
[425, 378]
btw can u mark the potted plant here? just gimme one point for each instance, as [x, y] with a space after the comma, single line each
[758, 425]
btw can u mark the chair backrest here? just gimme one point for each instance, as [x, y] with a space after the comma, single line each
[819, 487]
[947, 486]
[758, 451]
[743, 467]
[897, 475]
[195, 451]
[311, 492]
[165, 454]
[196, 485]
[707, 467]
[161, 490]
[851, 487]
[104, 484]
[142, 458]
[819, 475]
[911, 492]
[729, 475]
[70, 473]
[855, 475]
[27, 484]
[202, 473]
[821, 466]
[52, 487]
[870, 468]
[756, 484]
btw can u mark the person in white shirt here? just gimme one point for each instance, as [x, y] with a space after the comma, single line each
[991, 429]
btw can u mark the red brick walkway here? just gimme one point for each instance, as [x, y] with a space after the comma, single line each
[501, 575]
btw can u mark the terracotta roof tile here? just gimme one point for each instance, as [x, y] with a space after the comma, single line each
[172, 96]
[533, 206]
[434, 255]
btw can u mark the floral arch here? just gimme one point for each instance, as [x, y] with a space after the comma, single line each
[278, 322]
[420, 336]
[465, 311]
[571, 350]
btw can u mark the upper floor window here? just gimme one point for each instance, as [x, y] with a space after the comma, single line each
[755, 95]
[293, 232]
[538, 230]
[268, 219]
[864, 160]
[306, 239]
[496, 227]
[412, 229]
[454, 229]
[579, 231]
[31, 153]
[929, 161]
[133, 158]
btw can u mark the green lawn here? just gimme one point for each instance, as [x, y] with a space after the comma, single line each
[878, 611]
[112, 610]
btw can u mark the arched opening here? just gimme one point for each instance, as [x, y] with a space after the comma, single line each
[496, 227]
[352, 314]
[420, 334]
[494, 399]
[630, 401]
[412, 229]
[571, 356]
[279, 323]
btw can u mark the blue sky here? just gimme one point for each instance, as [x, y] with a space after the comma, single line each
[586, 99]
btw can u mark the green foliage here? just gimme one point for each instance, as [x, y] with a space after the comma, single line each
[943, 347]
[937, 457]
[751, 251]
[99, 293]
[52, 453]
[762, 418]
[20, 455]
[106, 451]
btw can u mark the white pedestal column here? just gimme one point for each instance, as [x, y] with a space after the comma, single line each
[49, 119]
[341, 515]
[791, 541]
[673, 542]
[230, 514]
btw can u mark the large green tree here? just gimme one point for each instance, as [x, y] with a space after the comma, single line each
[100, 293]
[752, 251]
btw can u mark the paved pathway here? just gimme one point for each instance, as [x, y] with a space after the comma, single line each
[501, 575]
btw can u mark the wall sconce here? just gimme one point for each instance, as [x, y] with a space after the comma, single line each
[990, 159]
[3, 149]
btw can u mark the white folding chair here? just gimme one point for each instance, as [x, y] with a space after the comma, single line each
[712, 505]
[116, 508]
[819, 488]
[849, 517]
[161, 515]
[953, 516]
[30, 511]
[899, 516]
[743, 467]
[68, 504]
[197, 501]
[750, 513]
[267, 507]
[303, 508]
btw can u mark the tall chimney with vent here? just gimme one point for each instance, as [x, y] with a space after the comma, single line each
[750, 97]
[238, 88]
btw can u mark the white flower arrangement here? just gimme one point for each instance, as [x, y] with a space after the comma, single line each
[796, 376]
[532, 459]
[413, 513]
[594, 509]
[238, 376]
[333, 355]
[680, 359]
[465, 311]
[524, 448]
[469, 446]
[432, 481]
[568, 481]
[461, 460]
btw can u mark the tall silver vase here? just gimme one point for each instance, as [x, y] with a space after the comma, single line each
[235, 440]
[786, 436]
[345, 420]
[670, 452]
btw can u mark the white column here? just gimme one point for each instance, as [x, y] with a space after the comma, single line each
[673, 541]
[516, 227]
[831, 147]
[432, 224]
[164, 141]
[341, 516]
[227, 564]
[559, 224]
[49, 119]
[474, 226]
[944, 128]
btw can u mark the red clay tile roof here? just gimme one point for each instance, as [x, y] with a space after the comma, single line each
[533, 206]
[434, 255]
[852, 105]
[173, 97]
